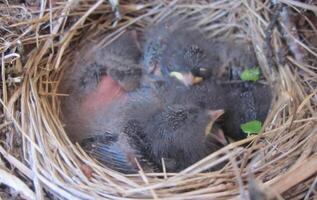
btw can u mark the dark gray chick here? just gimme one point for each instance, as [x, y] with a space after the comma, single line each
[183, 135]
[119, 60]
[172, 47]
[241, 103]
[114, 135]
[175, 46]
[144, 126]
[98, 77]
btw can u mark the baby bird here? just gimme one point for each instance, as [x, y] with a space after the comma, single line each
[240, 103]
[245, 104]
[98, 77]
[123, 56]
[143, 126]
[172, 46]
[183, 135]
[118, 60]
[173, 49]
[113, 134]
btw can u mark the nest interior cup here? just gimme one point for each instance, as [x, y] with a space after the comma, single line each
[40, 43]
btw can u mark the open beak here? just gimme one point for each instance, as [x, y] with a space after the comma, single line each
[187, 79]
[215, 114]
[217, 134]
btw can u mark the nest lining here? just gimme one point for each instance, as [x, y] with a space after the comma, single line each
[280, 161]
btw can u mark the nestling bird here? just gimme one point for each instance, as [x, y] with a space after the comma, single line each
[181, 136]
[121, 122]
[247, 103]
[241, 103]
[174, 49]
[148, 128]
[120, 60]
[98, 77]
[170, 46]
[175, 46]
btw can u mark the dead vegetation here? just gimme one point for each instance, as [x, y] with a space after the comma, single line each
[37, 159]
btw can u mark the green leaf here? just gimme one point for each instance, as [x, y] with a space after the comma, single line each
[251, 127]
[251, 74]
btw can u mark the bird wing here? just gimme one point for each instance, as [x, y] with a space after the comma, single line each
[107, 150]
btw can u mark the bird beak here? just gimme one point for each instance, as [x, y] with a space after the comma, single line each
[219, 136]
[187, 79]
[215, 114]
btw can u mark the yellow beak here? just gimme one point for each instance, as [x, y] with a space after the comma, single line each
[187, 79]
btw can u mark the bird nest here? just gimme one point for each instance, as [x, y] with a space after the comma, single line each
[38, 160]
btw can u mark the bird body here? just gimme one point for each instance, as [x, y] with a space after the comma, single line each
[120, 60]
[122, 118]
[145, 126]
[98, 77]
[177, 46]
[180, 50]
[177, 135]
[242, 102]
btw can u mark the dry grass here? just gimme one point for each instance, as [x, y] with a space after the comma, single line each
[35, 43]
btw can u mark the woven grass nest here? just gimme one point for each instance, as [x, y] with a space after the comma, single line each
[38, 161]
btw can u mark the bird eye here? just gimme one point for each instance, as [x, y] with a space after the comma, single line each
[204, 72]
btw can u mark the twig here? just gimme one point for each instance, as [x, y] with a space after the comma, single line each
[5, 124]
[145, 179]
[291, 178]
[255, 192]
[16, 183]
[290, 32]
[311, 189]
[268, 33]
[300, 5]
[238, 176]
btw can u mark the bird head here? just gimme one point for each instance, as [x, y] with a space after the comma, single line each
[178, 134]
[212, 130]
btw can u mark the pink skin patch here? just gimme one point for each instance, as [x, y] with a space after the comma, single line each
[107, 92]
